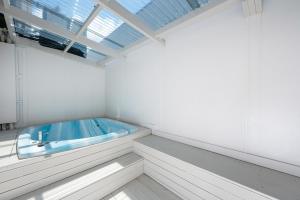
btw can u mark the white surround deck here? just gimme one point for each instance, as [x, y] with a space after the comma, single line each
[194, 173]
[22, 176]
[187, 172]
[142, 188]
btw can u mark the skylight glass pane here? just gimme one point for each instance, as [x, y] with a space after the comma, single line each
[86, 52]
[110, 30]
[158, 13]
[69, 14]
[43, 37]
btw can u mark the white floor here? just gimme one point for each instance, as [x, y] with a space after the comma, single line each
[8, 153]
[142, 188]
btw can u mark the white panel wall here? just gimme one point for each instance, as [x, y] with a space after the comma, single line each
[7, 83]
[225, 80]
[57, 88]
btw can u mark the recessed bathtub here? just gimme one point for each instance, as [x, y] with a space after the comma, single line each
[63, 136]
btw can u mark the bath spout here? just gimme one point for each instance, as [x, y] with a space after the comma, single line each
[40, 138]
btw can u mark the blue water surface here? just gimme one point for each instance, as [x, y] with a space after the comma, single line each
[63, 136]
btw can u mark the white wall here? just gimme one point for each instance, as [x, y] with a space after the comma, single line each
[7, 83]
[57, 88]
[224, 80]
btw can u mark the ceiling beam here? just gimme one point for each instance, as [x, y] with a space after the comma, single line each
[87, 22]
[36, 21]
[252, 7]
[31, 43]
[212, 8]
[130, 19]
[9, 21]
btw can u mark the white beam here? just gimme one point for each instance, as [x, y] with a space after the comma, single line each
[252, 7]
[33, 20]
[9, 21]
[25, 42]
[88, 21]
[212, 8]
[130, 19]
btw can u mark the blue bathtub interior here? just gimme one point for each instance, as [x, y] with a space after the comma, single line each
[68, 135]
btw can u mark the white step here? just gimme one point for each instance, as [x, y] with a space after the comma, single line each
[94, 183]
[194, 173]
[26, 175]
[142, 188]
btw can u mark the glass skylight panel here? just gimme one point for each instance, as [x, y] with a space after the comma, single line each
[69, 14]
[86, 52]
[43, 37]
[110, 30]
[158, 13]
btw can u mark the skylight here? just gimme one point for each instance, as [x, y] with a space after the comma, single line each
[110, 30]
[86, 52]
[134, 6]
[69, 14]
[43, 37]
[97, 23]
[158, 13]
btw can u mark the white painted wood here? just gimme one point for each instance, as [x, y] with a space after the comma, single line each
[142, 188]
[193, 99]
[141, 132]
[7, 84]
[105, 188]
[22, 42]
[7, 145]
[190, 189]
[130, 19]
[41, 174]
[87, 22]
[33, 20]
[162, 192]
[214, 7]
[9, 21]
[92, 181]
[172, 186]
[199, 183]
[26, 175]
[222, 176]
[252, 7]
[259, 160]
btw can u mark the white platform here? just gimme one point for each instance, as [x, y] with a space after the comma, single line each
[142, 188]
[94, 183]
[22, 176]
[194, 173]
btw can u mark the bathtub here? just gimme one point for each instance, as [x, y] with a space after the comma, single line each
[63, 136]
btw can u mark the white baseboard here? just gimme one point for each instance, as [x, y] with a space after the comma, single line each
[244, 156]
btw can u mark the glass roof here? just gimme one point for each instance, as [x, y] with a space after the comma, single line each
[69, 14]
[158, 13]
[110, 30]
[43, 37]
[86, 52]
[107, 29]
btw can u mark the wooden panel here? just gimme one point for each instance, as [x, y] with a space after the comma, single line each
[95, 181]
[162, 192]
[162, 166]
[102, 189]
[85, 163]
[7, 84]
[190, 190]
[74, 153]
[28, 175]
[142, 188]
[201, 183]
